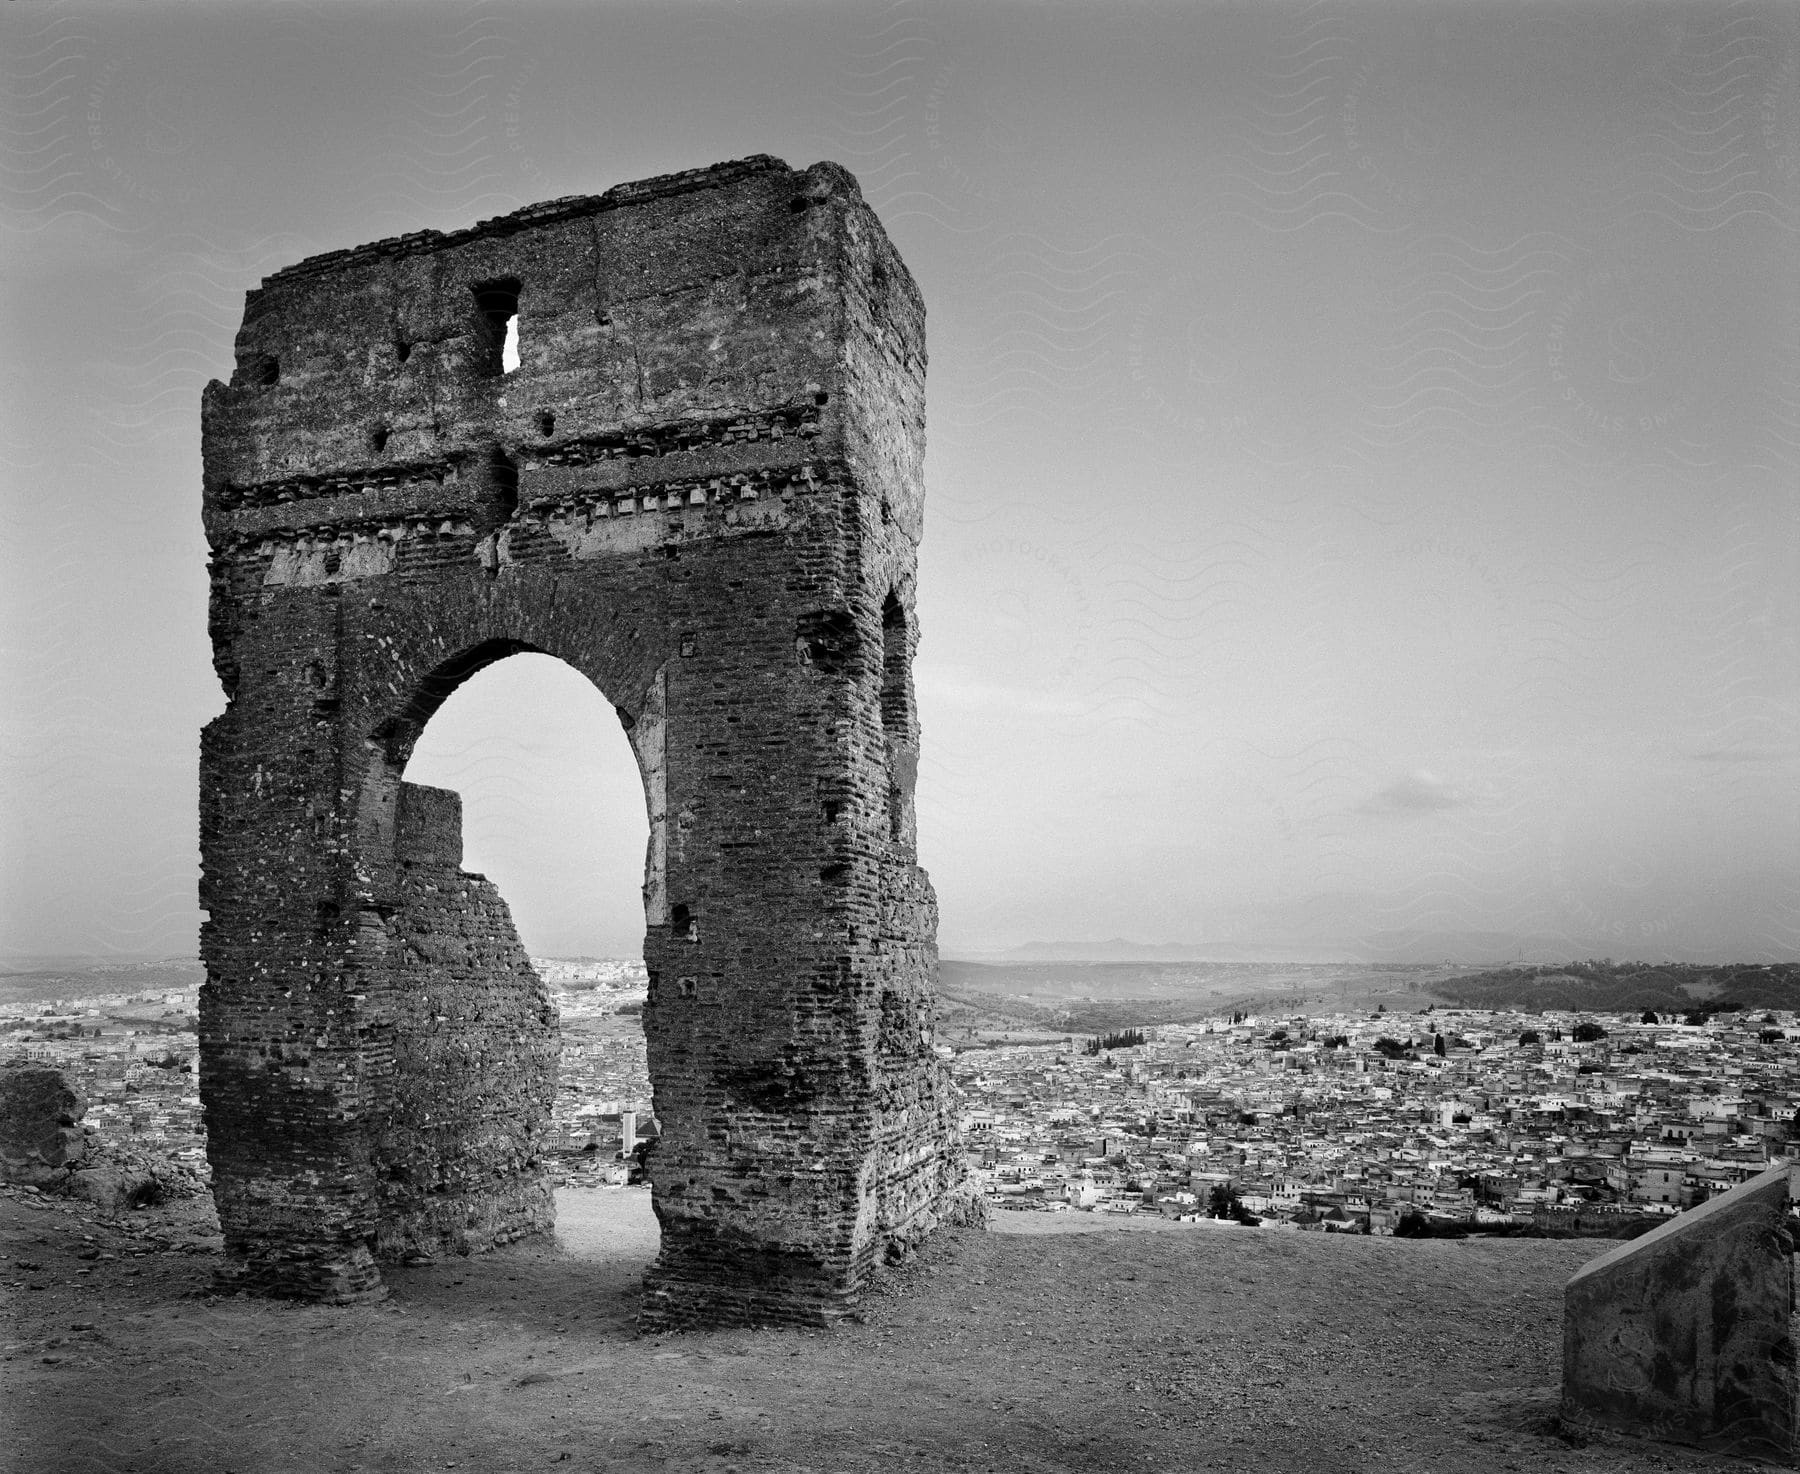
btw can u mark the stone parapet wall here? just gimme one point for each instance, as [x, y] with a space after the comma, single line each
[1685, 1334]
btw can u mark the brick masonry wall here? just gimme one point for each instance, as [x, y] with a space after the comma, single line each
[702, 488]
[474, 1048]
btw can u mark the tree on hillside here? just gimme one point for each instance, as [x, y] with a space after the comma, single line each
[1389, 1048]
[1649, 1017]
[1437, 1045]
[1531, 1036]
[1588, 1032]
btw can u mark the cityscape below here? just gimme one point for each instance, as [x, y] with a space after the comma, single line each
[1416, 1120]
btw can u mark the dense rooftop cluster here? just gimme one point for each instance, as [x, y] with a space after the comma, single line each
[1353, 1122]
[603, 1072]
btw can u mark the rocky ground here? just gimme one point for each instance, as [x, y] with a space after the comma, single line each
[1188, 1349]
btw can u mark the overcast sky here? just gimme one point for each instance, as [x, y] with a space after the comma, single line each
[1361, 504]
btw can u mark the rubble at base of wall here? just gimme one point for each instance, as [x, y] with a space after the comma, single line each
[45, 1144]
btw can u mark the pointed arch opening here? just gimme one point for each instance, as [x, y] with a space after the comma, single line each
[513, 975]
[553, 800]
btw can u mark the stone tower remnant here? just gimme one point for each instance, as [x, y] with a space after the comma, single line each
[701, 487]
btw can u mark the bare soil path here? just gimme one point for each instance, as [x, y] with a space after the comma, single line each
[1115, 1350]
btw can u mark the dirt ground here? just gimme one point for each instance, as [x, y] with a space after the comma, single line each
[1190, 1348]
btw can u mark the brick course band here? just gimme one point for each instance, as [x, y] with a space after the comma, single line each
[701, 486]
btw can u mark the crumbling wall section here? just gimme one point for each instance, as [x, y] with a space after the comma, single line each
[459, 1139]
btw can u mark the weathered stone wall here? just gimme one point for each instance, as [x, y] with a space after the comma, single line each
[702, 488]
[1686, 1333]
[41, 1139]
[474, 1047]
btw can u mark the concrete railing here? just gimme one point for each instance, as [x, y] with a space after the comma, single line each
[1684, 1333]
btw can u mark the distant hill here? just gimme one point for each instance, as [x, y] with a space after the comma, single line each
[1095, 997]
[1122, 949]
[87, 977]
[1334, 939]
[1617, 987]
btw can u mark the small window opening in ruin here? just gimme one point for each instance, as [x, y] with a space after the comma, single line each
[896, 714]
[497, 307]
[895, 703]
[402, 349]
[378, 438]
[503, 486]
[682, 926]
[546, 423]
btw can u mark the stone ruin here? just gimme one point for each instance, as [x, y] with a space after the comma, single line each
[701, 486]
[41, 1138]
[45, 1145]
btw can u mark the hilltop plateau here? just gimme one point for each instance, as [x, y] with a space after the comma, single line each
[1178, 1347]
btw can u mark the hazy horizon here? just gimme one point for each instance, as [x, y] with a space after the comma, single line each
[1363, 440]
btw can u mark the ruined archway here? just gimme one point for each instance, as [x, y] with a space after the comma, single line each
[473, 1099]
[700, 487]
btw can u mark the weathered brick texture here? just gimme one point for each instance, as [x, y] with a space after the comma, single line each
[702, 488]
[472, 1036]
